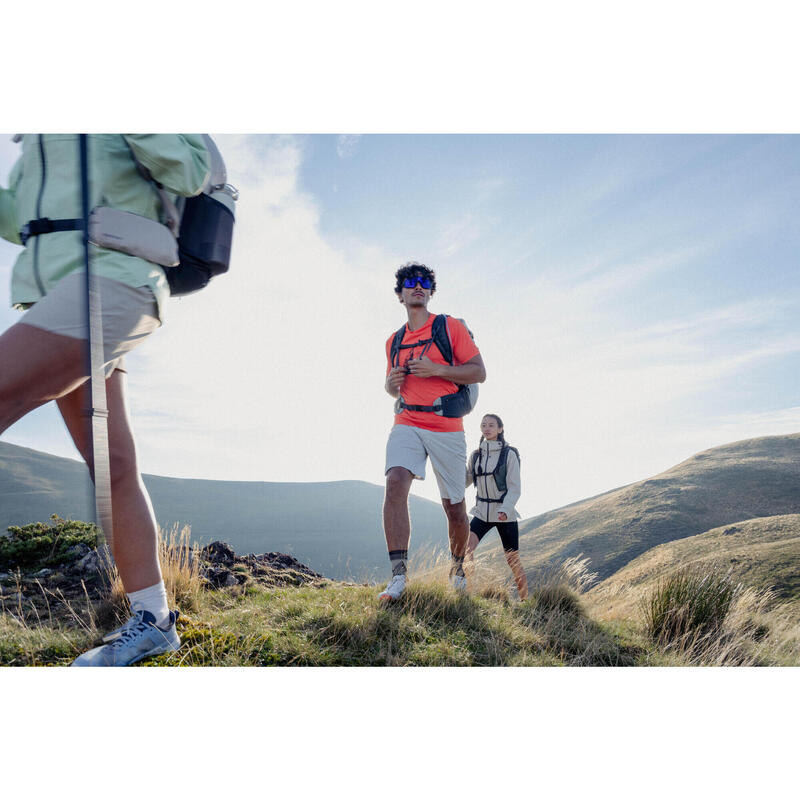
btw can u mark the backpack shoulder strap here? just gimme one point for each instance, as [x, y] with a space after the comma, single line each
[394, 352]
[505, 451]
[441, 338]
[473, 462]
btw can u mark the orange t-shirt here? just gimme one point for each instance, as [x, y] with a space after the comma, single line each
[423, 391]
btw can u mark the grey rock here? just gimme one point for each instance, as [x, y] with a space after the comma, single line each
[43, 573]
[89, 563]
[4, 576]
[218, 553]
[78, 551]
[230, 580]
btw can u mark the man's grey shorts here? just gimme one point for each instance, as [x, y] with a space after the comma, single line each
[130, 315]
[409, 447]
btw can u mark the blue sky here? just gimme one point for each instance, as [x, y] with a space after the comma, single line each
[635, 298]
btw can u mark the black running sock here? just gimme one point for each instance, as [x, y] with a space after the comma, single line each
[399, 559]
[457, 567]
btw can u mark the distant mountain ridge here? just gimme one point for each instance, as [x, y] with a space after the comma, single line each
[720, 486]
[761, 553]
[335, 528]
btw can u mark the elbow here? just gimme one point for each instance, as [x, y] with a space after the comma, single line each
[482, 376]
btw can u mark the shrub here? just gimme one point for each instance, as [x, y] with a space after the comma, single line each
[687, 605]
[44, 544]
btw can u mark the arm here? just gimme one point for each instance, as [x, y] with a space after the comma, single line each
[8, 206]
[179, 161]
[514, 487]
[472, 371]
[469, 471]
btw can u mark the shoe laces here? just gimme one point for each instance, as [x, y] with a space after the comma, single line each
[130, 630]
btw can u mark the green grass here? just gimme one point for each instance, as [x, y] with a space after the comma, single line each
[688, 603]
[334, 624]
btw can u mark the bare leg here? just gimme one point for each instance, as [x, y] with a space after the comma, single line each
[396, 522]
[512, 556]
[457, 526]
[37, 366]
[135, 532]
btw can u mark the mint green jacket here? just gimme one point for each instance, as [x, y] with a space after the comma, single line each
[46, 180]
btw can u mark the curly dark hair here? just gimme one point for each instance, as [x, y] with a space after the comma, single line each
[411, 269]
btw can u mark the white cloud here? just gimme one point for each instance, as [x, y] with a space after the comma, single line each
[275, 372]
[347, 144]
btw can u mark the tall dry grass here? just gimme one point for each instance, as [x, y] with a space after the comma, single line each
[709, 620]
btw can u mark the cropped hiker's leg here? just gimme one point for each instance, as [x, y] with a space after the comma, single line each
[36, 366]
[135, 532]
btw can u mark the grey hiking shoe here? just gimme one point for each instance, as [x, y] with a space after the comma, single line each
[458, 582]
[138, 638]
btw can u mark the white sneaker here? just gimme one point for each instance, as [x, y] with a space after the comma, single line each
[396, 587]
[459, 582]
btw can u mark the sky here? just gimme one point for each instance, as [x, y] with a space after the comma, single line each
[634, 298]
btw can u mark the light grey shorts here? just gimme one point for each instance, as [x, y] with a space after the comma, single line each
[130, 315]
[410, 447]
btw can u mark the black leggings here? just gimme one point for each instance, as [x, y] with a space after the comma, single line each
[509, 532]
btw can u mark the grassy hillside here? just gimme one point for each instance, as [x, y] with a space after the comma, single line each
[334, 527]
[721, 486]
[56, 600]
[762, 553]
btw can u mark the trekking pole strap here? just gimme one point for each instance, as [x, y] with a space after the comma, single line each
[97, 381]
[36, 227]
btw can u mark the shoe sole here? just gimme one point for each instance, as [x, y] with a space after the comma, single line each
[156, 651]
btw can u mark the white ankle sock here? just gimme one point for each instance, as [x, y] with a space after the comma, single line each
[152, 599]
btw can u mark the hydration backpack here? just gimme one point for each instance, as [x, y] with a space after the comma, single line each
[498, 473]
[195, 243]
[203, 226]
[457, 404]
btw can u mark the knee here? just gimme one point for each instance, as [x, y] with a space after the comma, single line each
[456, 512]
[398, 483]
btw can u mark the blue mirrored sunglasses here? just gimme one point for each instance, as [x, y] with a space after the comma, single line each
[410, 283]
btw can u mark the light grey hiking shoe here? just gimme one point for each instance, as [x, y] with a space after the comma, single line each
[138, 638]
[396, 587]
[459, 582]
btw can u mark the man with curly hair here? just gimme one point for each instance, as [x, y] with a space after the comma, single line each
[418, 374]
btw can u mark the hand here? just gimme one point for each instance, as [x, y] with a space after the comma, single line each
[395, 378]
[422, 367]
[502, 516]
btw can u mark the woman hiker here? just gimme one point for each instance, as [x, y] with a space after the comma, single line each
[494, 471]
[43, 356]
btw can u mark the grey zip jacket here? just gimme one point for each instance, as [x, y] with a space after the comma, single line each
[486, 487]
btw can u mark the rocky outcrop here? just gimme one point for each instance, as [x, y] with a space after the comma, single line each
[221, 567]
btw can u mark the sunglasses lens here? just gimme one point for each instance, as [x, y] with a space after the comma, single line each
[410, 283]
